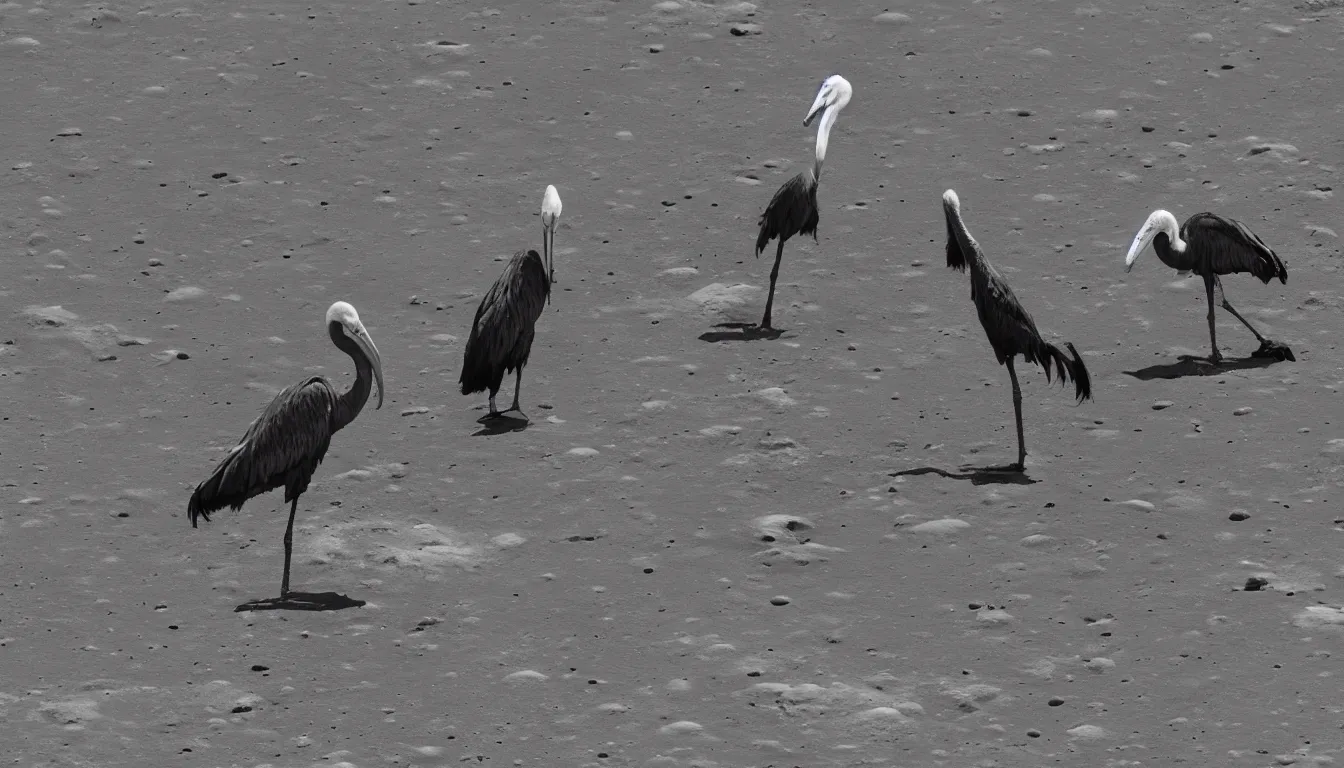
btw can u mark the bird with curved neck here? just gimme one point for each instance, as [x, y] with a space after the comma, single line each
[793, 210]
[286, 443]
[506, 319]
[1210, 245]
[1009, 327]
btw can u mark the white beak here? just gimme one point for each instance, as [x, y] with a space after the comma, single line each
[820, 103]
[1141, 241]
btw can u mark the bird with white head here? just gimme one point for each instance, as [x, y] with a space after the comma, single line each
[793, 210]
[285, 444]
[1210, 245]
[550, 216]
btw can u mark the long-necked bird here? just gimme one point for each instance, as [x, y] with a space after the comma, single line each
[505, 322]
[1210, 245]
[793, 209]
[1008, 325]
[286, 443]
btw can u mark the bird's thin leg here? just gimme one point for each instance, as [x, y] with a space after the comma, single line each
[1215, 356]
[289, 546]
[1017, 412]
[493, 410]
[1222, 299]
[774, 275]
[1244, 322]
[517, 390]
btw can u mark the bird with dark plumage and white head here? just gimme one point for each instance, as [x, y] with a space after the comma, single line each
[793, 210]
[1210, 245]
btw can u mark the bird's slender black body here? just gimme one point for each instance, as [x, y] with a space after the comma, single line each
[505, 323]
[285, 444]
[1210, 245]
[504, 327]
[793, 210]
[1009, 327]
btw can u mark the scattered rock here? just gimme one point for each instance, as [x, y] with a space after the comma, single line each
[940, 527]
[891, 17]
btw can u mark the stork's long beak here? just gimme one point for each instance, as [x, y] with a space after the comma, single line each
[820, 103]
[548, 255]
[365, 343]
[1141, 241]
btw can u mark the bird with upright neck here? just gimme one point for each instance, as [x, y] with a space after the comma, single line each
[505, 323]
[286, 443]
[1210, 245]
[793, 210]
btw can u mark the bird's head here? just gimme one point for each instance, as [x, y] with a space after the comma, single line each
[550, 207]
[1158, 222]
[950, 200]
[835, 92]
[550, 216]
[343, 322]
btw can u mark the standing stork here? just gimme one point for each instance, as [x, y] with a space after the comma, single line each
[284, 445]
[1210, 245]
[505, 322]
[793, 209]
[1008, 325]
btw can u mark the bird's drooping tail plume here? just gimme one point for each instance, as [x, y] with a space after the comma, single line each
[1067, 368]
[225, 487]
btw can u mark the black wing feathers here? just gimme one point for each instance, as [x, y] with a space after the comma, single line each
[501, 333]
[1229, 246]
[283, 447]
[791, 211]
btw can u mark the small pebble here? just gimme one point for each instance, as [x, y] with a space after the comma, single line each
[1242, 411]
[1255, 584]
[1237, 517]
[1055, 701]
[780, 600]
[1161, 404]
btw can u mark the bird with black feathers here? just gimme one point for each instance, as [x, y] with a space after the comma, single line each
[505, 323]
[286, 443]
[793, 210]
[1008, 325]
[1210, 245]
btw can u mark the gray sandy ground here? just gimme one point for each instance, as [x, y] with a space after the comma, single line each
[187, 185]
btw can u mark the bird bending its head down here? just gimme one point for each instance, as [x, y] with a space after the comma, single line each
[345, 328]
[1159, 222]
[833, 96]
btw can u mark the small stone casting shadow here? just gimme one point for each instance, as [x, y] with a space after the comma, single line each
[498, 425]
[1189, 365]
[302, 601]
[977, 475]
[741, 332]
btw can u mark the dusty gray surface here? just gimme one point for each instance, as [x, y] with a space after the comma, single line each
[596, 590]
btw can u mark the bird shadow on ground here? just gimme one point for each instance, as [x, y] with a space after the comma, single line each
[1189, 365]
[302, 601]
[499, 425]
[741, 332]
[977, 475]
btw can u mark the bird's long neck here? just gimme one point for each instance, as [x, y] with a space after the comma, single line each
[828, 119]
[351, 402]
[1168, 247]
[967, 249]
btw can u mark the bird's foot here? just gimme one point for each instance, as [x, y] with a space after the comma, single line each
[492, 415]
[1274, 349]
[518, 409]
[1216, 358]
